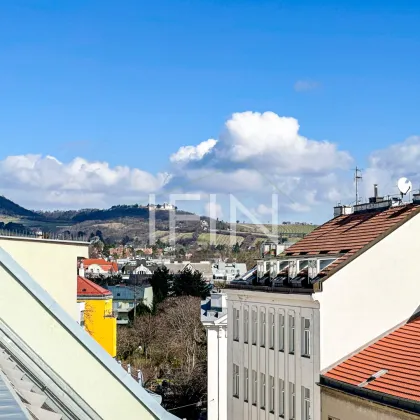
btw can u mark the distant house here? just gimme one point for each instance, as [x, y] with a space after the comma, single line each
[203, 267]
[126, 298]
[99, 320]
[228, 271]
[99, 266]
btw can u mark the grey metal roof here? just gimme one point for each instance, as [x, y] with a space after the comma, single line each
[19, 395]
[10, 406]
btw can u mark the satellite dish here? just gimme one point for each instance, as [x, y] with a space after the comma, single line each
[404, 185]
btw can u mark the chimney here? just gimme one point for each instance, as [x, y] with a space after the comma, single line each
[375, 198]
[342, 210]
[81, 269]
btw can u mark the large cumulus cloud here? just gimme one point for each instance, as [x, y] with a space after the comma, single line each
[255, 155]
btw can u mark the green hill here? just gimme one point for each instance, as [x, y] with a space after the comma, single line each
[9, 208]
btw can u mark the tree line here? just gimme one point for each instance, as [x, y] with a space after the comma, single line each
[168, 342]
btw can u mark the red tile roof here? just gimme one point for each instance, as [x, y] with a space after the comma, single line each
[86, 287]
[105, 265]
[398, 352]
[351, 234]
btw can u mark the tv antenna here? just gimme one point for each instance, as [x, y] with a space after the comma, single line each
[357, 179]
[405, 186]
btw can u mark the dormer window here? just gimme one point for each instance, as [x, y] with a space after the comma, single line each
[323, 252]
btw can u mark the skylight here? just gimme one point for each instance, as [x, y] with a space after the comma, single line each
[373, 377]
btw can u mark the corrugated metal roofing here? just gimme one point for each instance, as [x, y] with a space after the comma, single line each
[398, 352]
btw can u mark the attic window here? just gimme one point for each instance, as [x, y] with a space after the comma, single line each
[323, 252]
[118, 294]
[83, 290]
[303, 253]
[344, 251]
[373, 377]
[289, 253]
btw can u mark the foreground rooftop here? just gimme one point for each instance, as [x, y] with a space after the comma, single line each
[386, 371]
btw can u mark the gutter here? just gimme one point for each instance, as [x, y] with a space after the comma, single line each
[397, 403]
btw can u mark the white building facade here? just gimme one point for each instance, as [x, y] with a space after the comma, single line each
[214, 319]
[273, 356]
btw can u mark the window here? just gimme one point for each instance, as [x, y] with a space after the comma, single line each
[281, 398]
[306, 409]
[246, 325]
[272, 332]
[262, 329]
[292, 394]
[236, 324]
[272, 395]
[291, 334]
[254, 326]
[235, 380]
[254, 387]
[306, 337]
[281, 332]
[262, 394]
[246, 379]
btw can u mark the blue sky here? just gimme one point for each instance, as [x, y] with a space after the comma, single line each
[131, 82]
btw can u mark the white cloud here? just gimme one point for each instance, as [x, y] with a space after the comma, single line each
[45, 181]
[191, 153]
[387, 165]
[214, 210]
[258, 154]
[305, 85]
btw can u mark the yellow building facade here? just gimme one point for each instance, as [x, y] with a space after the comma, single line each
[99, 320]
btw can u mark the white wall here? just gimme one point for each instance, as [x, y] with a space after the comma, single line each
[107, 393]
[53, 264]
[343, 406]
[216, 372]
[370, 295]
[281, 365]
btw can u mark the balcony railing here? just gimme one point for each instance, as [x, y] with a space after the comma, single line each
[43, 235]
[270, 289]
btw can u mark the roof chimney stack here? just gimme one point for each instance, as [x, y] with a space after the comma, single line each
[375, 198]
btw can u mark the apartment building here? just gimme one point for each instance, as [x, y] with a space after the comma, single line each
[273, 356]
[304, 309]
[214, 319]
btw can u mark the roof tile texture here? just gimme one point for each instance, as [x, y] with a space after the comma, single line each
[86, 287]
[398, 352]
[351, 233]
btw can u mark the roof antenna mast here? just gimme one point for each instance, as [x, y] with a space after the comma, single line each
[357, 179]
